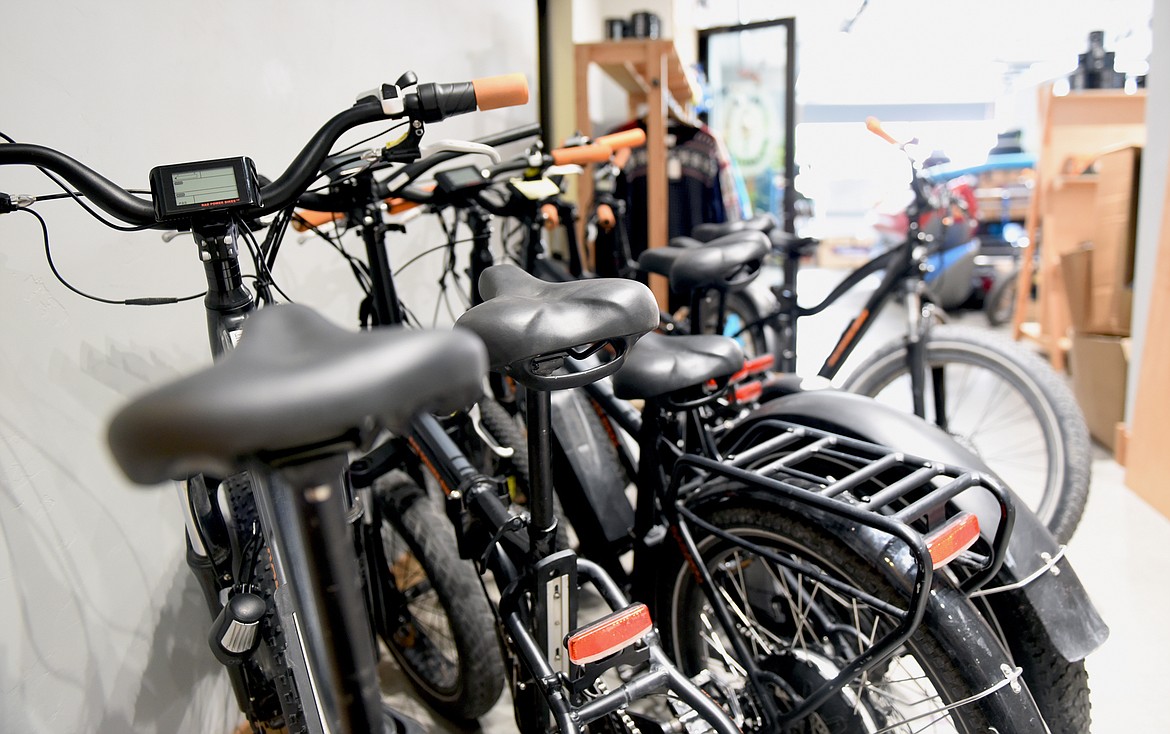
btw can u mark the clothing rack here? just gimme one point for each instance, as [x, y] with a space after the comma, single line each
[651, 74]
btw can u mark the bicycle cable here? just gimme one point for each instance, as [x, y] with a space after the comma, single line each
[149, 301]
[264, 276]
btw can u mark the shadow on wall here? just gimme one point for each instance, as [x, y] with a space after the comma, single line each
[77, 650]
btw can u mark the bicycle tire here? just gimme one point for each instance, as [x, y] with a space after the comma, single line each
[1001, 300]
[1060, 687]
[803, 640]
[1022, 386]
[272, 689]
[448, 649]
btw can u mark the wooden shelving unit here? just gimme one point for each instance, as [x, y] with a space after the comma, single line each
[1076, 126]
[651, 74]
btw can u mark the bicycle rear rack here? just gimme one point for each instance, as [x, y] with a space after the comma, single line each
[907, 499]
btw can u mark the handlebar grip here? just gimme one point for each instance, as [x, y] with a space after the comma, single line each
[625, 139]
[581, 154]
[434, 102]
[506, 90]
[874, 125]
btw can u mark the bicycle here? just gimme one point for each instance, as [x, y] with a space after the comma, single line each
[997, 398]
[239, 554]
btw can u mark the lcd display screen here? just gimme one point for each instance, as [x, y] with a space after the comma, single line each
[200, 187]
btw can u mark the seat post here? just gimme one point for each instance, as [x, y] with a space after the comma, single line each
[538, 410]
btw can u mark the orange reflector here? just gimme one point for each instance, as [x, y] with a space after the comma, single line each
[959, 534]
[762, 363]
[749, 392]
[609, 634]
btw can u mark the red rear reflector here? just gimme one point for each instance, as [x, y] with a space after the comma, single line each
[753, 366]
[749, 392]
[947, 542]
[609, 634]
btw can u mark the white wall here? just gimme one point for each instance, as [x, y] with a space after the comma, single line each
[1151, 198]
[103, 629]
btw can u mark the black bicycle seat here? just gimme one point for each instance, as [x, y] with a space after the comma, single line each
[712, 231]
[295, 381]
[791, 245]
[725, 265]
[531, 326]
[661, 365]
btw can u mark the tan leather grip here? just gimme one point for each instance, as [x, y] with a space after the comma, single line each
[625, 139]
[605, 217]
[552, 216]
[581, 154]
[874, 125]
[506, 90]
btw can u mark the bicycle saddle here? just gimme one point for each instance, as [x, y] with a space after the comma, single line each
[295, 381]
[712, 231]
[726, 265]
[660, 365]
[531, 327]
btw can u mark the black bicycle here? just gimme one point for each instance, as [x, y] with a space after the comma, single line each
[247, 540]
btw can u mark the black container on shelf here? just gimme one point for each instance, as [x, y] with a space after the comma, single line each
[1095, 67]
[616, 29]
[645, 25]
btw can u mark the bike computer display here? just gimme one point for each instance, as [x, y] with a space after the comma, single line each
[182, 189]
[457, 179]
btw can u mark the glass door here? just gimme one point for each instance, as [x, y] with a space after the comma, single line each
[751, 78]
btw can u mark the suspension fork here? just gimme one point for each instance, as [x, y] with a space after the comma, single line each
[918, 325]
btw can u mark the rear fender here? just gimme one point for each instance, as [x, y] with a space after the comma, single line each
[1056, 596]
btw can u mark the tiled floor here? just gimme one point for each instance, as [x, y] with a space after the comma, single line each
[1118, 553]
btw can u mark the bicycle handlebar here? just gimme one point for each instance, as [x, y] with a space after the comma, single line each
[581, 154]
[874, 125]
[430, 102]
[625, 139]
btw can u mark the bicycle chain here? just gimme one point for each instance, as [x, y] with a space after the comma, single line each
[622, 713]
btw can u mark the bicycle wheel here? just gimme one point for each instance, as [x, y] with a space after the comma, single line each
[1001, 301]
[802, 630]
[444, 641]
[740, 322]
[1008, 406]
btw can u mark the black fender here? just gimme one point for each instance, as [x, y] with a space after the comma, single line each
[956, 624]
[1057, 597]
[594, 487]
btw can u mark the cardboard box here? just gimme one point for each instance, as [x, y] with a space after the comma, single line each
[1069, 213]
[1099, 366]
[1098, 272]
[1077, 269]
[1111, 282]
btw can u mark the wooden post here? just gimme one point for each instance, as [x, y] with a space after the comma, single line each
[657, 181]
